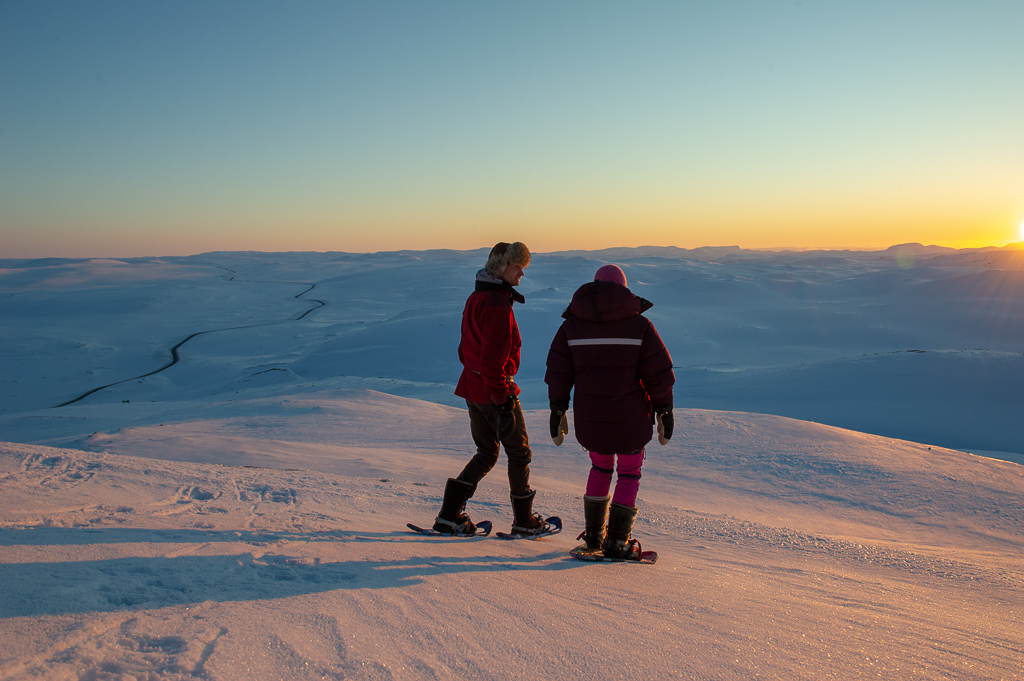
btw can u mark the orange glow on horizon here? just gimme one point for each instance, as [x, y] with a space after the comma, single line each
[546, 229]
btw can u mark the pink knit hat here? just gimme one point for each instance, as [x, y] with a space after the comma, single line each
[612, 273]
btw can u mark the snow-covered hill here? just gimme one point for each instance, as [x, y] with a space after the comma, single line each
[236, 509]
[915, 342]
[788, 550]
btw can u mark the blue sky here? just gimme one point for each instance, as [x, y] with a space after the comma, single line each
[131, 128]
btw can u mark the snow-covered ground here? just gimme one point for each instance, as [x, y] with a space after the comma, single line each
[240, 513]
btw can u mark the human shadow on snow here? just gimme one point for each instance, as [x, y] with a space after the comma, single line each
[65, 536]
[33, 589]
[85, 536]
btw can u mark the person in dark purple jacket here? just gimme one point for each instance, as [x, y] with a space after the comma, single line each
[622, 375]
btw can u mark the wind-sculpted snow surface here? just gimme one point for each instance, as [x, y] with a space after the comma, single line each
[787, 550]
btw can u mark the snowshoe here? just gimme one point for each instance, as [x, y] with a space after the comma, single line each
[481, 529]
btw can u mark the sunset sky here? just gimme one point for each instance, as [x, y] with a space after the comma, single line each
[172, 128]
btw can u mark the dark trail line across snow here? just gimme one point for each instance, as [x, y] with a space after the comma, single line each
[175, 357]
[319, 303]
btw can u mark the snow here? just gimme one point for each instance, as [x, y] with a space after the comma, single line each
[241, 514]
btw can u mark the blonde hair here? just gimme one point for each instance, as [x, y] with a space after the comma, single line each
[505, 254]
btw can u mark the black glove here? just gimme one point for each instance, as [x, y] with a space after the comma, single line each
[505, 418]
[665, 423]
[559, 424]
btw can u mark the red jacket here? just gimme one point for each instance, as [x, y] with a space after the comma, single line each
[616, 361]
[490, 346]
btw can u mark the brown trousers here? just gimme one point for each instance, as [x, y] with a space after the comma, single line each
[517, 449]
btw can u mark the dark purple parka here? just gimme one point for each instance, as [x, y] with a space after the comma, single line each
[618, 364]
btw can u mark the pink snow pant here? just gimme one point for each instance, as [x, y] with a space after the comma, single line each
[628, 483]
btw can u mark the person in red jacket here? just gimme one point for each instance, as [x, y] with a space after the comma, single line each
[622, 374]
[489, 352]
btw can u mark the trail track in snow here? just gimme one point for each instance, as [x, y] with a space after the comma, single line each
[176, 357]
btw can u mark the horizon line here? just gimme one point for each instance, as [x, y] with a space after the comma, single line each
[1018, 245]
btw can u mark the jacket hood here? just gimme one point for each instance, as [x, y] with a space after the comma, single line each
[603, 301]
[485, 282]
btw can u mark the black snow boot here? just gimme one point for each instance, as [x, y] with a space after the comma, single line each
[453, 519]
[595, 511]
[620, 524]
[525, 521]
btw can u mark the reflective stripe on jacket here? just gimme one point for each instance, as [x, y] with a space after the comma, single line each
[612, 361]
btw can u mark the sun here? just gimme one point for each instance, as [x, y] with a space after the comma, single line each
[1020, 231]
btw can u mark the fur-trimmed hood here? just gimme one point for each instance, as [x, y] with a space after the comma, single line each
[503, 254]
[485, 282]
